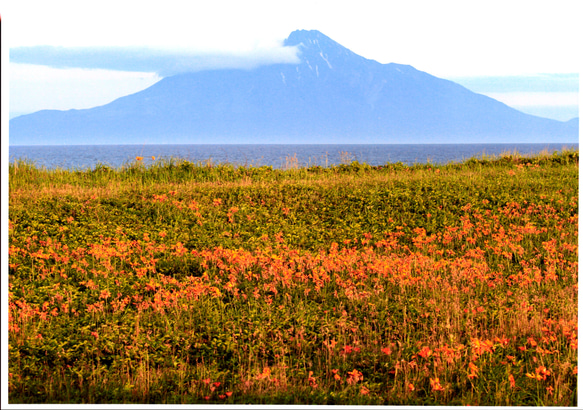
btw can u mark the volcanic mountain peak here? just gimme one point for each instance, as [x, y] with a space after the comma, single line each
[315, 47]
[332, 96]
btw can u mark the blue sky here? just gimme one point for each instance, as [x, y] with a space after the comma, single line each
[71, 54]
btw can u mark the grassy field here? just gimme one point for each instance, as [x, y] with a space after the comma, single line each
[209, 283]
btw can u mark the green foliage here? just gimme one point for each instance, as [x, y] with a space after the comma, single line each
[183, 282]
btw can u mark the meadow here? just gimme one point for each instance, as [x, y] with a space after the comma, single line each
[182, 282]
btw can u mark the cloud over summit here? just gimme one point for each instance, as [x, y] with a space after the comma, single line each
[143, 59]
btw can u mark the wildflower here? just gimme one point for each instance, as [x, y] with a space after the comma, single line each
[386, 350]
[264, 374]
[95, 335]
[312, 380]
[153, 158]
[425, 352]
[139, 158]
[364, 390]
[550, 390]
[532, 342]
[347, 349]
[336, 375]
[229, 393]
[512, 381]
[435, 385]
[482, 346]
[354, 377]
[540, 373]
[410, 387]
[331, 344]
[473, 371]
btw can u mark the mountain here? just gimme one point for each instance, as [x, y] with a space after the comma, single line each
[331, 96]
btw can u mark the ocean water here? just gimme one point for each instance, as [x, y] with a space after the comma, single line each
[78, 157]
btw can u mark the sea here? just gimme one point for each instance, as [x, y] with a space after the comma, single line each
[82, 157]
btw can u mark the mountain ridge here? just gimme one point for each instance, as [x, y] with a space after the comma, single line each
[332, 96]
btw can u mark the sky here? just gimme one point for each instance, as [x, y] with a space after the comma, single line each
[72, 54]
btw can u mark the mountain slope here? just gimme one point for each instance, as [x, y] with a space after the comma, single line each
[331, 96]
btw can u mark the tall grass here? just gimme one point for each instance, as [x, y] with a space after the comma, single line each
[182, 282]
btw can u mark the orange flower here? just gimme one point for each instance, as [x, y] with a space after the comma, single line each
[386, 350]
[354, 377]
[264, 374]
[543, 371]
[425, 352]
[540, 373]
[482, 346]
[347, 349]
[550, 390]
[532, 342]
[139, 158]
[473, 371]
[512, 381]
[312, 380]
[411, 387]
[435, 385]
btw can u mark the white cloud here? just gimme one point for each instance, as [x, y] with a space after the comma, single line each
[41, 73]
[34, 87]
[444, 38]
[526, 99]
[560, 106]
[165, 62]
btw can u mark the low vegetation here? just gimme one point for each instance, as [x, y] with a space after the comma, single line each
[179, 282]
